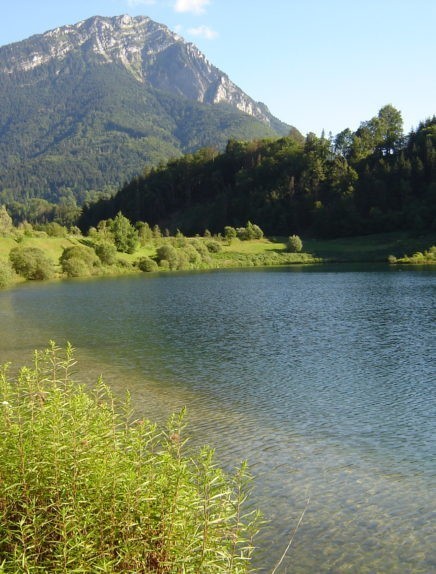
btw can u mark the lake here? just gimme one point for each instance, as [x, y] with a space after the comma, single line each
[323, 378]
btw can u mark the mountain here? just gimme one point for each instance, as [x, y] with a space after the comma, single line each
[88, 106]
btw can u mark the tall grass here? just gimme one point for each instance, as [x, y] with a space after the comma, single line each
[85, 488]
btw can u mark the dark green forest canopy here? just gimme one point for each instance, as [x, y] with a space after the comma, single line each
[368, 181]
[91, 128]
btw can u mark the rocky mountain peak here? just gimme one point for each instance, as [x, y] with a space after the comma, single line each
[148, 50]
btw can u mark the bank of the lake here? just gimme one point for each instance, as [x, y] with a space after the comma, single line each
[321, 376]
[206, 253]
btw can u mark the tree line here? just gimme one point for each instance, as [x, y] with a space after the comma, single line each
[372, 180]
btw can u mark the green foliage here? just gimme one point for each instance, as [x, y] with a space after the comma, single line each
[87, 130]
[428, 257]
[31, 263]
[88, 488]
[124, 233]
[295, 245]
[6, 274]
[106, 252]
[253, 231]
[145, 233]
[364, 182]
[213, 246]
[229, 233]
[5, 221]
[147, 264]
[168, 253]
[79, 261]
[250, 231]
[53, 229]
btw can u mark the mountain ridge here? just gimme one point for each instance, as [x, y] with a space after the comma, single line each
[104, 85]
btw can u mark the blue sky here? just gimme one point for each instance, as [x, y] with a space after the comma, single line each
[317, 64]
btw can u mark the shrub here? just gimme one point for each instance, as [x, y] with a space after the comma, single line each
[164, 265]
[193, 255]
[229, 233]
[54, 229]
[31, 263]
[241, 233]
[76, 267]
[168, 253]
[183, 260]
[200, 247]
[26, 228]
[213, 246]
[295, 245]
[250, 231]
[253, 231]
[147, 264]
[106, 252]
[79, 261]
[85, 488]
[6, 274]
[145, 233]
[6, 225]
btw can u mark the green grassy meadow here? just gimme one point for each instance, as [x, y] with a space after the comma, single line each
[391, 248]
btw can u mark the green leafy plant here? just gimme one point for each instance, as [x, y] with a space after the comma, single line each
[31, 263]
[295, 245]
[106, 252]
[79, 261]
[6, 274]
[147, 264]
[87, 488]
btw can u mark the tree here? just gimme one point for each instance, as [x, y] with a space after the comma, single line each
[125, 235]
[5, 221]
[144, 232]
[295, 245]
[343, 143]
[229, 233]
[390, 130]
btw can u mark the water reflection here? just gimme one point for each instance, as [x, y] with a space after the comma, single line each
[322, 379]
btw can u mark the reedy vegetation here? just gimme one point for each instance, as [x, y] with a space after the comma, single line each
[87, 488]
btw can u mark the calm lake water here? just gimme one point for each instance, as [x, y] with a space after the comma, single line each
[323, 378]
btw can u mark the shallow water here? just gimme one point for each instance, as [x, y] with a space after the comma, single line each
[323, 378]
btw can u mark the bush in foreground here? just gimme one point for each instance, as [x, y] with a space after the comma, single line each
[86, 489]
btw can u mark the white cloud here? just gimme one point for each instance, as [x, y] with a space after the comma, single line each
[195, 6]
[203, 32]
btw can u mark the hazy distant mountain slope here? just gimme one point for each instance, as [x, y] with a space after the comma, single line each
[88, 106]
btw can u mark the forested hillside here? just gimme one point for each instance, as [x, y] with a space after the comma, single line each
[371, 180]
[83, 108]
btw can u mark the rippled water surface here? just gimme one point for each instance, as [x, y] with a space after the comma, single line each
[322, 378]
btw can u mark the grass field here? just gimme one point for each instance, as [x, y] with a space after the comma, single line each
[52, 246]
[253, 253]
[369, 248]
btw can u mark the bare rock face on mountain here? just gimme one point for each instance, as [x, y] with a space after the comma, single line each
[85, 107]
